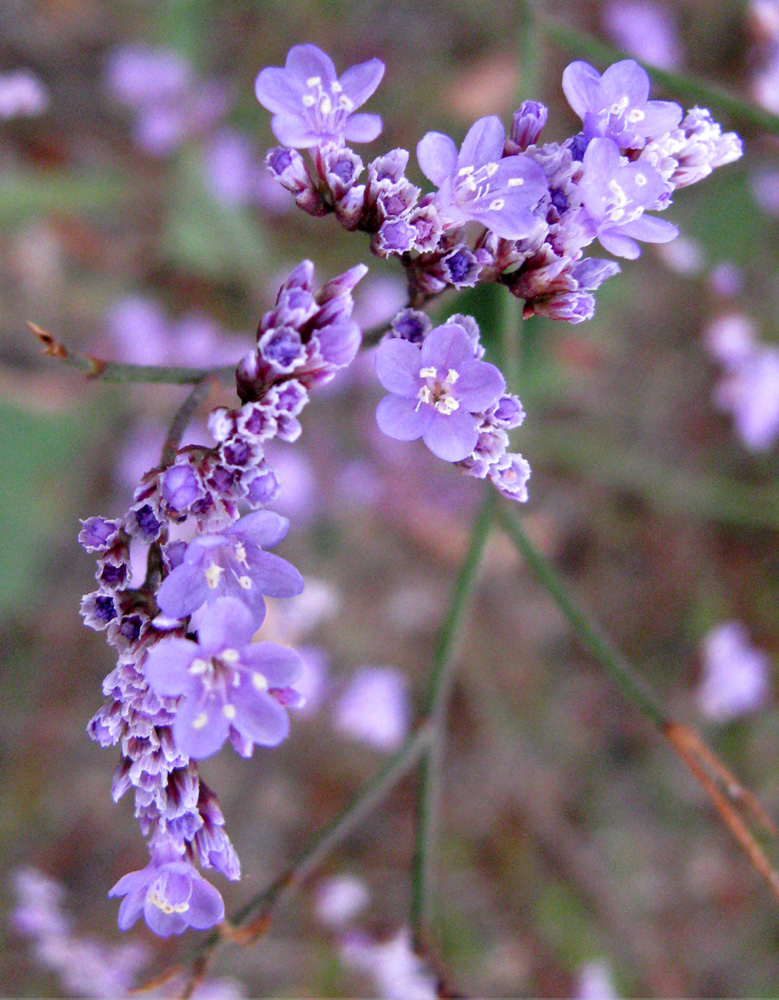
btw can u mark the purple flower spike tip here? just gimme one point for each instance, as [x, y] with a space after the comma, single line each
[435, 391]
[479, 184]
[616, 105]
[225, 682]
[171, 896]
[311, 106]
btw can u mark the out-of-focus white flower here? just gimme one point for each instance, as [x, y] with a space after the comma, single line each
[735, 677]
[22, 95]
[339, 899]
[375, 708]
[594, 982]
[398, 973]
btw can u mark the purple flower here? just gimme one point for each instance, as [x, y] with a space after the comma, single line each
[479, 184]
[170, 894]
[617, 104]
[312, 106]
[435, 390]
[225, 682]
[615, 194]
[232, 564]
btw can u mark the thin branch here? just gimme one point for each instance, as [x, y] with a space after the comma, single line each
[581, 43]
[434, 709]
[730, 799]
[115, 371]
[183, 416]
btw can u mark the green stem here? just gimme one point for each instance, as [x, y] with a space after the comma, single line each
[527, 52]
[115, 371]
[434, 710]
[588, 632]
[329, 837]
[183, 416]
[580, 43]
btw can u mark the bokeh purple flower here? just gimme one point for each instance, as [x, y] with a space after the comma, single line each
[374, 708]
[312, 106]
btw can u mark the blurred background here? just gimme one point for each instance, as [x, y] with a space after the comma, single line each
[139, 225]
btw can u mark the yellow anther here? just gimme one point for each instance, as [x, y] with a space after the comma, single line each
[636, 115]
[616, 214]
[229, 712]
[229, 655]
[491, 168]
[245, 582]
[429, 372]
[346, 103]
[198, 666]
[497, 204]
[515, 182]
[451, 376]
[313, 81]
[325, 105]
[470, 183]
[640, 180]
[308, 101]
[425, 395]
[200, 720]
[259, 682]
[336, 87]
[212, 574]
[240, 553]
[162, 904]
[619, 106]
[465, 171]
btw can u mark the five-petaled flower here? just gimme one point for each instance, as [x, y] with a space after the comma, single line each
[170, 894]
[615, 194]
[617, 104]
[479, 184]
[435, 391]
[232, 564]
[311, 106]
[224, 682]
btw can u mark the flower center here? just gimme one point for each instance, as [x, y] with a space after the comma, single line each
[325, 109]
[436, 391]
[473, 184]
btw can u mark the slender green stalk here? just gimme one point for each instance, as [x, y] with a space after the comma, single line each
[592, 638]
[527, 52]
[115, 371]
[182, 419]
[434, 710]
[580, 43]
[372, 793]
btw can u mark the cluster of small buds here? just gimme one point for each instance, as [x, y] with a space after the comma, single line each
[441, 390]
[538, 207]
[189, 677]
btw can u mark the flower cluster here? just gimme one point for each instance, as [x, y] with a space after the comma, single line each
[189, 678]
[537, 207]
